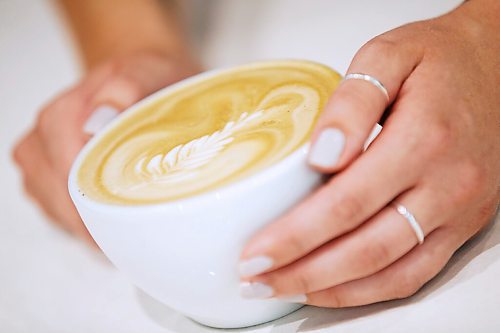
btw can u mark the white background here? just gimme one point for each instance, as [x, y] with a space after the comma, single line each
[50, 282]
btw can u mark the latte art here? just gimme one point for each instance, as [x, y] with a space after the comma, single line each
[207, 133]
[182, 161]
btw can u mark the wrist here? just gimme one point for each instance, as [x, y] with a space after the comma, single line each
[474, 21]
[111, 29]
[480, 13]
[177, 65]
[95, 55]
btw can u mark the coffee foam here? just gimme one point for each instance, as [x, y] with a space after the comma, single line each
[208, 133]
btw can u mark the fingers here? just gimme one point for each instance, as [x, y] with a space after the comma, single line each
[42, 184]
[59, 124]
[371, 247]
[115, 95]
[131, 82]
[349, 199]
[401, 279]
[88, 107]
[59, 130]
[63, 126]
[357, 104]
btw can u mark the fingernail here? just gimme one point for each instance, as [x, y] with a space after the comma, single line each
[99, 118]
[254, 266]
[327, 148]
[255, 290]
[373, 135]
[300, 298]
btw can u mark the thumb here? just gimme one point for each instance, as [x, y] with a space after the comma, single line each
[131, 82]
[376, 75]
[115, 95]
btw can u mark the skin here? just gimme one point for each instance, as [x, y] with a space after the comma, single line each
[120, 72]
[344, 245]
[438, 155]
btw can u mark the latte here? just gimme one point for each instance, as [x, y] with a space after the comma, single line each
[207, 132]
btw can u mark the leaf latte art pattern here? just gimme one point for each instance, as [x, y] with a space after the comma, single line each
[182, 161]
[207, 133]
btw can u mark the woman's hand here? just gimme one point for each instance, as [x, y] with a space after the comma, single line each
[438, 155]
[46, 153]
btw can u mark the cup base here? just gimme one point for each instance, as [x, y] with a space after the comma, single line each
[232, 322]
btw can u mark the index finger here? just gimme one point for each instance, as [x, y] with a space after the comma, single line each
[355, 194]
[371, 85]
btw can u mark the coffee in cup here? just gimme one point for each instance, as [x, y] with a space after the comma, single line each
[173, 188]
[207, 134]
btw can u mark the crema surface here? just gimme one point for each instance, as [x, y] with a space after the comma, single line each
[207, 133]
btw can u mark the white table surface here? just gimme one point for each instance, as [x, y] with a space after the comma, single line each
[50, 282]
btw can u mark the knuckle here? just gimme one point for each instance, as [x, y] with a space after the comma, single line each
[125, 89]
[486, 213]
[474, 175]
[302, 282]
[21, 151]
[51, 115]
[18, 153]
[352, 99]
[472, 180]
[27, 188]
[433, 142]
[44, 120]
[380, 47]
[115, 64]
[440, 137]
[289, 281]
[346, 208]
[405, 286]
[335, 300]
[357, 116]
[296, 243]
[375, 256]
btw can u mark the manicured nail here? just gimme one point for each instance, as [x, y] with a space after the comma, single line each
[254, 266]
[255, 290]
[300, 298]
[99, 118]
[326, 150]
[373, 135]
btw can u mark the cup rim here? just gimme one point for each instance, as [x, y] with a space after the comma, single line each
[252, 181]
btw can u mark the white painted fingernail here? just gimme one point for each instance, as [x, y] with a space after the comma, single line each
[300, 298]
[254, 266]
[373, 135]
[99, 118]
[326, 150]
[255, 290]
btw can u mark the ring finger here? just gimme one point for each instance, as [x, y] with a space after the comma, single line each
[399, 280]
[373, 246]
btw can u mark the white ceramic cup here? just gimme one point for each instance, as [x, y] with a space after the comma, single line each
[185, 252]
